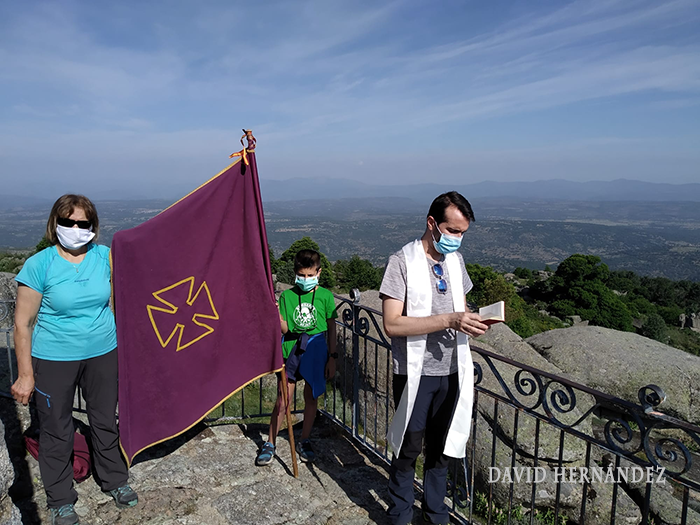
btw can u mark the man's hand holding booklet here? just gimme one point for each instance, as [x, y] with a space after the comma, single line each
[493, 313]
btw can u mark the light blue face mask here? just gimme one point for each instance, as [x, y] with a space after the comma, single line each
[447, 243]
[306, 284]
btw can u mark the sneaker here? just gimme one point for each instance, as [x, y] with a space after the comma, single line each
[124, 497]
[306, 453]
[266, 454]
[64, 515]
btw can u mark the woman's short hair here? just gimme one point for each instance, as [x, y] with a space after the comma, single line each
[64, 207]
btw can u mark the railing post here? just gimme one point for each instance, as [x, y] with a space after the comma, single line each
[355, 298]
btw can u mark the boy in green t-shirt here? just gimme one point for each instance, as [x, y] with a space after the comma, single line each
[307, 314]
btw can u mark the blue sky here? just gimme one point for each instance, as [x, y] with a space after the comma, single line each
[136, 98]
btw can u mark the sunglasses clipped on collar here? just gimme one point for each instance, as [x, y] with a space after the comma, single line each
[440, 284]
[69, 223]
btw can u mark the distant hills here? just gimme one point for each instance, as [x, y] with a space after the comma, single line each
[557, 189]
[620, 190]
[651, 229]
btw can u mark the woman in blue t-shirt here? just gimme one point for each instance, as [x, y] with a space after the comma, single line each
[64, 293]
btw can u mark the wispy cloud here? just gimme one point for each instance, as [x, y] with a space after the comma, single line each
[135, 78]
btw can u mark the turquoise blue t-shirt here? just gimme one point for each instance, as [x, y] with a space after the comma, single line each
[74, 320]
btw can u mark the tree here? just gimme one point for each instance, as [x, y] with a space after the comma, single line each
[623, 281]
[655, 328]
[578, 269]
[273, 261]
[43, 243]
[522, 273]
[610, 311]
[327, 279]
[670, 314]
[11, 263]
[578, 288]
[357, 273]
[638, 305]
[658, 290]
[489, 285]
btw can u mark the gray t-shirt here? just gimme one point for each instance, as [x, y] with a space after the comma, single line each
[441, 347]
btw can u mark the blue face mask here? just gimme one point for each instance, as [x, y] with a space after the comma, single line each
[447, 243]
[306, 284]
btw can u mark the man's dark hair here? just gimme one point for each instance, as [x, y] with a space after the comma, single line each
[307, 259]
[444, 201]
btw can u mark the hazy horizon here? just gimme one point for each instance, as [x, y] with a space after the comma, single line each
[306, 188]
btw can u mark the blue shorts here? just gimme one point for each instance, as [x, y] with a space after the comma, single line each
[309, 363]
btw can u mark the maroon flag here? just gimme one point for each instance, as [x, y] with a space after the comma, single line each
[195, 307]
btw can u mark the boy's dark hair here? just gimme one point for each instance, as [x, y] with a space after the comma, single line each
[307, 259]
[444, 201]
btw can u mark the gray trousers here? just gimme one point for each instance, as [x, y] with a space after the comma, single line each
[55, 383]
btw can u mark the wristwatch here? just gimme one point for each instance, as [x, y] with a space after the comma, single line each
[334, 355]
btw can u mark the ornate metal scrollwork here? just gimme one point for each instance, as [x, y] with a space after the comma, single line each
[618, 432]
[669, 450]
[637, 432]
[368, 320]
[562, 399]
[651, 396]
[478, 374]
[347, 317]
[460, 494]
[529, 386]
[363, 326]
[526, 387]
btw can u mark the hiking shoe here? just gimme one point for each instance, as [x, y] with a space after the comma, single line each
[306, 453]
[124, 497]
[266, 454]
[64, 515]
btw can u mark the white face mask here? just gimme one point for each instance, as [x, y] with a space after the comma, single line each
[73, 238]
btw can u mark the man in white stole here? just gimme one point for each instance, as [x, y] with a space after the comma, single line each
[424, 307]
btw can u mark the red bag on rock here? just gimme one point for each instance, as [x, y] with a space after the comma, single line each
[81, 455]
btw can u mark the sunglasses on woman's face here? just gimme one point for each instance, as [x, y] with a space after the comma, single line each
[69, 223]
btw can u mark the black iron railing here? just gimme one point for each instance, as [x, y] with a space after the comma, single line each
[572, 453]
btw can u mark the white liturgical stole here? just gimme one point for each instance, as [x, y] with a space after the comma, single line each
[419, 300]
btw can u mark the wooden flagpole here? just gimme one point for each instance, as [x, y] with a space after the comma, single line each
[290, 427]
[248, 136]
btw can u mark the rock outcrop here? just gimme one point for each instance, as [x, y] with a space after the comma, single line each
[207, 476]
[8, 286]
[8, 293]
[503, 341]
[691, 321]
[9, 513]
[620, 363]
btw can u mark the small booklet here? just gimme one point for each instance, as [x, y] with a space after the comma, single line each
[493, 313]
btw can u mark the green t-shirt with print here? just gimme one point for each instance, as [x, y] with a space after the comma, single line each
[306, 312]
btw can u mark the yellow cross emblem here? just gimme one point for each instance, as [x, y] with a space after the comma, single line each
[170, 308]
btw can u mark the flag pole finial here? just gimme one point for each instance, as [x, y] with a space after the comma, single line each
[250, 148]
[248, 135]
